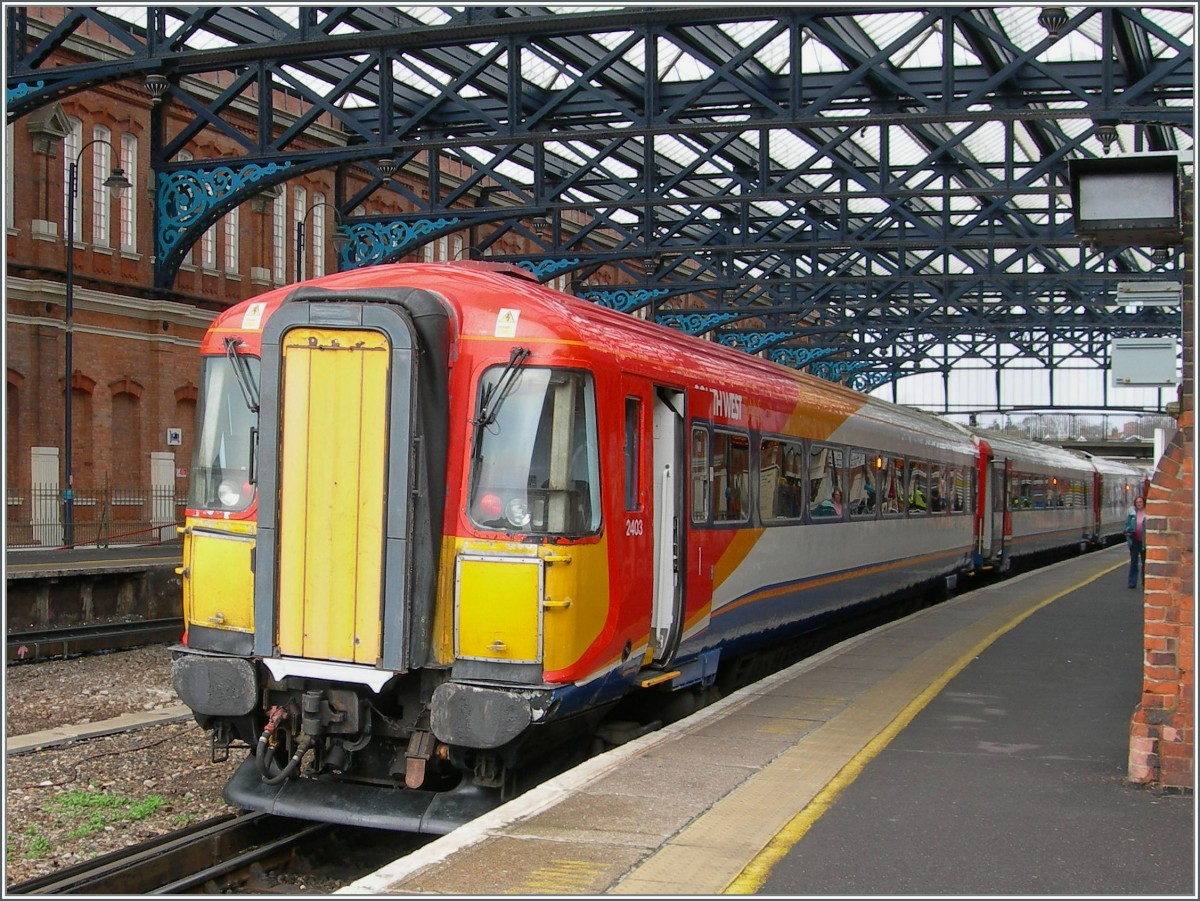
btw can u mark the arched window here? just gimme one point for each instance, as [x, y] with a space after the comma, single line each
[128, 198]
[72, 142]
[319, 234]
[232, 241]
[101, 196]
[208, 249]
[278, 218]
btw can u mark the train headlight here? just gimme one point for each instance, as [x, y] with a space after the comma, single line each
[517, 513]
[229, 494]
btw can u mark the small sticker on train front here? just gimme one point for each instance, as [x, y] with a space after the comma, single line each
[506, 323]
[252, 319]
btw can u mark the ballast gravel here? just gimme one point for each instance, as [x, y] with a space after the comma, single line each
[69, 803]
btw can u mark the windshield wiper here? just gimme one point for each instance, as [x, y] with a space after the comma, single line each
[489, 405]
[241, 371]
[496, 392]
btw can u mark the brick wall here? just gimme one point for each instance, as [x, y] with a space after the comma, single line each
[131, 340]
[1162, 737]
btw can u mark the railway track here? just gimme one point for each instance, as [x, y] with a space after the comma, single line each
[24, 647]
[210, 856]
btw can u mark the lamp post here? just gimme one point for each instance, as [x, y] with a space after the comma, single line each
[340, 239]
[116, 181]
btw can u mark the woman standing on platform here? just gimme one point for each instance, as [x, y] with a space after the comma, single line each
[1135, 537]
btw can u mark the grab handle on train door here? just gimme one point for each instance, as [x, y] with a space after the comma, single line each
[252, 472]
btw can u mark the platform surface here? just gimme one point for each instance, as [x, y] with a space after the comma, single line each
[975, 748]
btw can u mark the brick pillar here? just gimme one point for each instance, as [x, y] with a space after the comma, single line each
[1162, 732]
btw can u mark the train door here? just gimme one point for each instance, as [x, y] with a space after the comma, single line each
[666, 625]
[331, 494]
[335, 524]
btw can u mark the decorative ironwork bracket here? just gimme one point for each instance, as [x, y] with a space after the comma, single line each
[378, 242]
[624, 300]
[546, 268]
[187, 196]
[753, 342]
[696, 323]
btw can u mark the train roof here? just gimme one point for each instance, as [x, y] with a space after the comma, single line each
[1109, 465]
[478, 291]
[549, 315]
[1023, 450]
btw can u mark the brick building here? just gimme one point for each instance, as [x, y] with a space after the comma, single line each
[134, 348]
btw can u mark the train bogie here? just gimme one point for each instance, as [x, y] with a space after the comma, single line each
[444, 520]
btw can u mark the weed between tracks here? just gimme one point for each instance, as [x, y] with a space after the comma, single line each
[99, 809]
[80, 813]
[68, 804]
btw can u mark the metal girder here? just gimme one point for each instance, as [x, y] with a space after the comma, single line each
[897, 166]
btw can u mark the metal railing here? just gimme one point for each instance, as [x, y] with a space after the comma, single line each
[103, 516]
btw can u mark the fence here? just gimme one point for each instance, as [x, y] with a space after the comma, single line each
[102, 516]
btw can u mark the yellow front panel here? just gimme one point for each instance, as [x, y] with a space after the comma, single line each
[574, 600]
[218, 584]
[497, 613]
[332, 484]
[578, 600]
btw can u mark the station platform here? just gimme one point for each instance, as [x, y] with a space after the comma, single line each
[975, 748]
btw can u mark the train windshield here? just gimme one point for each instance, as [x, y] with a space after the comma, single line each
[536, 468]
[227, 429]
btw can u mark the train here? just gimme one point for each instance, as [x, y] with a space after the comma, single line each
[442, 520]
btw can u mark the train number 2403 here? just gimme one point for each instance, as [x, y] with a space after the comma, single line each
[634, 527]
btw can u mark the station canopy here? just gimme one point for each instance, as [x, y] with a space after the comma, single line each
[872, 193]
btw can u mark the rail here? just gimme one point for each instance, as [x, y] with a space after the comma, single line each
[25, 647]
[178, 862]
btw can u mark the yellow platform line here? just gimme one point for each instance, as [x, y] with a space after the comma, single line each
[755, 873]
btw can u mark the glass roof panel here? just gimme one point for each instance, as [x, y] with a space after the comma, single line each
[937, 163]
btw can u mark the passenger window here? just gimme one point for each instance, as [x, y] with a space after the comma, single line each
[633, 453]
[960, 490]
[937, 488]
[780, 495]
[731, 477]
[893, 496]
[1023, 496]
[1078, 495]
[918, 487]
[1037, 492]
[861, 490]
[700, 474]
[826, 484]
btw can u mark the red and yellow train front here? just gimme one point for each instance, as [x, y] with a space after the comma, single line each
[392, 569]
[525, 594]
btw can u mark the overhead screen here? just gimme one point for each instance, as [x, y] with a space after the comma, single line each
[1133, 199]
